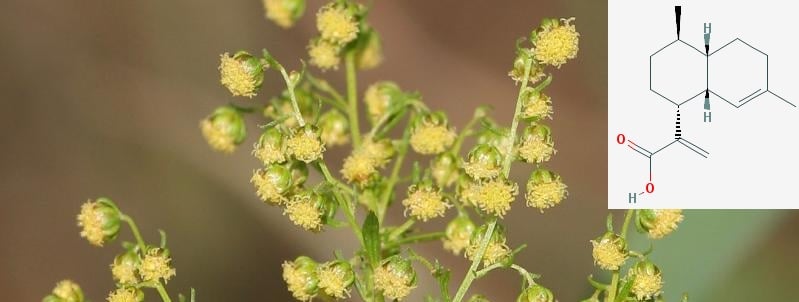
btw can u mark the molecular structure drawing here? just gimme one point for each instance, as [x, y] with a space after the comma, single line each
[680, 73]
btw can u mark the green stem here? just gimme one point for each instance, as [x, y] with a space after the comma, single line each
[162, 292]
[527, 275]
[352, 98]
[456, 147]
[348, 211]
[614, 281]
[415, 239]
[392, 180]
[135, 230]
[290, 87]
[492, 223]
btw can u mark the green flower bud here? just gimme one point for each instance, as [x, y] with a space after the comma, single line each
[647, 281]
[224, 129]
[458, 234]
[284, 12]
[379, 97]
[484, 161]
[335, 278]
[370, 54]
[301, 278]
[310, 210]
[269, 148]
[299, 172]
[241, 73]
[658, 223]
[65, 291]
[99, 221]
[395, 277]
[536, 293]
[272, 183]
[537, 105]
[444, 168]
[496, 251]
[535, 144]
[334, 127]
[127, 294]
[517, 72]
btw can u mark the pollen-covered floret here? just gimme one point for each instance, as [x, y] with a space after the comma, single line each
[269, 148]
[496, 250]
[425, 202]
[484, 161]
[371, 54]
[431, 134]
[536, 144]
[494, 196]
[517, 73]
[99, 221]
[272, 183]
[378, 98]
[305, 144]
[304, 210]
[545, 190]
[647, 280]
[609, 251]
[128, 294]
[335, 278]
[395, 278]
[324, 55]
[284, 12]
[300, 276]
[537, 106]
[124, 268]
[224, 129]
[664, 222]
[66, 291]
[556, 43]
[155, 266]
[241, 73]
[336, 24]
[359, 168]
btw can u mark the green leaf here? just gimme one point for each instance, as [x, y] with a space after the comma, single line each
[625, 291]
[371, 239]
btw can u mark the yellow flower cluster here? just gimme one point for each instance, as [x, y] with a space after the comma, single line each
[493, 196]
[432, 139]
[305, 145]
[557, 43]
[609, 251]
[425, 202]
[125, 295]
[664, 223]
[362, 165]
[304, 211]
[155, 266]
[238, 76]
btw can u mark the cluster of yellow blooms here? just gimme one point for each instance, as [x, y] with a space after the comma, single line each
[138, 266]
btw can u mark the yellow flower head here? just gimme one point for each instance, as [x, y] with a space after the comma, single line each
[128, 294]
[66, 291]
[647, 281]
[496, 250]
[536, 145]
[371, 54]
[124, 268]
[336, 24]
[485, 161]
[557, 43]
[432, 135]
[269, 148]
[284, 12]
[494, 196]
[335, 278]
[610, 251]
[537, 105]
[334, 128]
[99, 221]
[425, 202]
[241, 73]
[324, 55]
[545, 190]
[395, 278]
[378, 98]
[224, 129]
[272, 183]
[458, 233]
[300, 276]
[659, 223]
[359, 168]
[306, 210]
[305, 144]
[155, 266]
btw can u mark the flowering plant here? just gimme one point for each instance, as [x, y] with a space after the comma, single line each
[310, 115]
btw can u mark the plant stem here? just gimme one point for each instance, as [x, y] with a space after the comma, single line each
[492, 223]
[416, 239]
[392, 180]
[614, 281]
[162, 292]
[348, 211]
[290, 87]
[456, 147]
[352, 98]
[135, 230]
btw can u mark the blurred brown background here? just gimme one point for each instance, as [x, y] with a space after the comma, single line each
[103, 98]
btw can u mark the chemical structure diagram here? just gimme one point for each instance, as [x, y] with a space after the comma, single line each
[677, 89]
